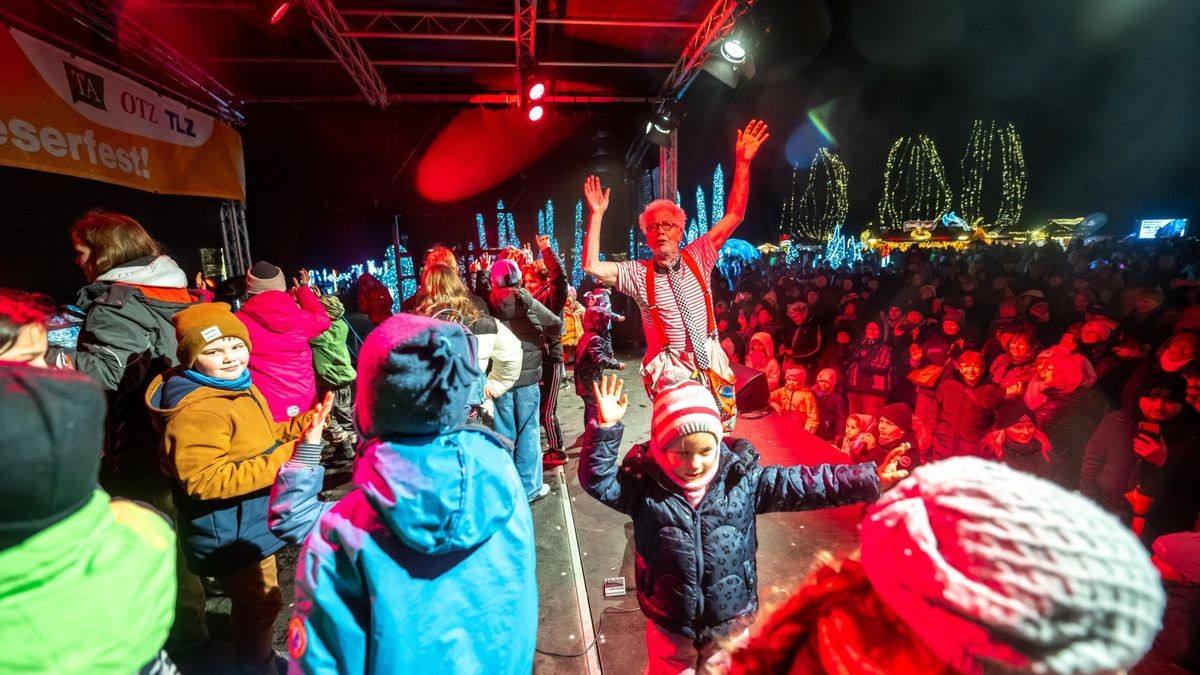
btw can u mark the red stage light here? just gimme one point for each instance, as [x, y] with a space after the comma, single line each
[281, 9]
[536, 91]
[536, 113]
[499, 145]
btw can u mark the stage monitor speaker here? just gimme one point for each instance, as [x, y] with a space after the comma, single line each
[752, 390]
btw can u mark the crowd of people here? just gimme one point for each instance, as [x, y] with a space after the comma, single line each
[1029, 392]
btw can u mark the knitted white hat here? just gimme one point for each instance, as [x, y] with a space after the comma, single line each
[994, 567]
[682, 409]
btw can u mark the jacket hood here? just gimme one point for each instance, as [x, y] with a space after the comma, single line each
[767, 342]
[162, 272]
[509, 303]
[275, 311]
[441, 494]
[170, 392]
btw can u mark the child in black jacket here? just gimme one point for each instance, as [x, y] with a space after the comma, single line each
[693, 501]
[593, 354]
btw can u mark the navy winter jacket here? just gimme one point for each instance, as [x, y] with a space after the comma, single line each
[695, 568]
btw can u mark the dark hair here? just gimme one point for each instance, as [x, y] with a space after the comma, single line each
[19, 309]
[114, 239]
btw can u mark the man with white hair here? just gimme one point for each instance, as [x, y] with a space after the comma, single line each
[672, 289]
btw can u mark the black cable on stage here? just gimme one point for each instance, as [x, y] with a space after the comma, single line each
[599, 631]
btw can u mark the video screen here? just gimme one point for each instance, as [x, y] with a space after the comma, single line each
[1162, 228]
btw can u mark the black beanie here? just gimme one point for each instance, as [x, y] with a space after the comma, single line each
[899, 414]
[1012, 411]
[1171, 386]
[53, 422]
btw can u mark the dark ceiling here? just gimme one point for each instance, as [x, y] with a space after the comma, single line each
[465, 51]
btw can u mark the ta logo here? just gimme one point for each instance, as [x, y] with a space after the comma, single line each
[85, 87]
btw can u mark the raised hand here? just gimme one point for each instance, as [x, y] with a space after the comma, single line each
[199, 279]
[316, 426]
[750, 139]
[889, 470]
[543, 241]
[595, 196]
[611, 400]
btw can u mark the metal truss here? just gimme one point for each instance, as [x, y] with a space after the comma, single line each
[330, 26]
[719, 22]
[398, 24]
[235, 237]
[524, 32]
[716, 25]
[187, 80]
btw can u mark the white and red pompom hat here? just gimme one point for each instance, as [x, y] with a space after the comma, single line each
[681, 409]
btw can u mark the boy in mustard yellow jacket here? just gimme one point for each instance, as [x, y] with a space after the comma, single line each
[222, 448]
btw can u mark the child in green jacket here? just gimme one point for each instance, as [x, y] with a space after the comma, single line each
[87, 583]
[331, 361]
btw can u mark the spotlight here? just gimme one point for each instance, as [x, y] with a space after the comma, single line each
[735, 63]
[533, 95]
[660, 127]
[733, 51]
[273, 11]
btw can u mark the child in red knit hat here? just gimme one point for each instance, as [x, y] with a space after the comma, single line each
[693, 499]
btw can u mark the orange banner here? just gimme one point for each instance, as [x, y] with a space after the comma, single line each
[62, 114]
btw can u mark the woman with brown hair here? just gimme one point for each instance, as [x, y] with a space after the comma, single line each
[443, 295]
[128, 339]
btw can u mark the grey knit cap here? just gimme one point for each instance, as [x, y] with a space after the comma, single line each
[997, 570]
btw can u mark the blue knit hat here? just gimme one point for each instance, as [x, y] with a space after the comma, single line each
[414, 377]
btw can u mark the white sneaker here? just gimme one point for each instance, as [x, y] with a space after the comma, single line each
[542, 492]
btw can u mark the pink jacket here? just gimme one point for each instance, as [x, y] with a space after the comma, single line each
[280, 357]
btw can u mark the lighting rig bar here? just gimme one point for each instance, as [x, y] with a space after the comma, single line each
[525, 33]
[329, 26]
[716, 25]
[134, 39]
[414, 25]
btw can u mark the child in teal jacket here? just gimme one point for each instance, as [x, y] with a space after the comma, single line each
[427, 565]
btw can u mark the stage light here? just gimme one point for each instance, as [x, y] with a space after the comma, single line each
[735, 62]
[273, 10]
[533, 98]
[733, 51]
[660, 126]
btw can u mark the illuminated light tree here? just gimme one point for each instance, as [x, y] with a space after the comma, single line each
[841, 250]
[718, 195]
[993, 174]
[407, 276]
[482, 231]
[701, 213]
[577, 248]
[826, 198]
[546, 224]
[914, 183]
